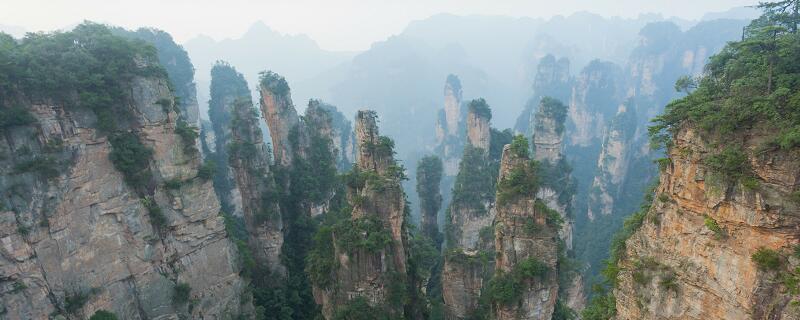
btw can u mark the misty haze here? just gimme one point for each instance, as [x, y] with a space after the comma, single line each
[353, 160]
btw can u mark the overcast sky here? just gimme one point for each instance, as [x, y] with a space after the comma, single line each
[334, 24]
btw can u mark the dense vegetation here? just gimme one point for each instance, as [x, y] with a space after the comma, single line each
[429, 178]
[550, 108]
[751, 82]
[480, 108]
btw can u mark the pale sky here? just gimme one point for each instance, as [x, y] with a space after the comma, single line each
[334, 24]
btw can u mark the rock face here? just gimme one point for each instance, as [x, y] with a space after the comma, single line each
[612, 164]
[429, 179]
[468, 262]
[523, 237]
[450, 127]
[331, 123]
[363, 272]
[478, 129]
[278, 110]
[595, 98]
[248, 159]
[552, 79]
[691, 259]
[83, 234]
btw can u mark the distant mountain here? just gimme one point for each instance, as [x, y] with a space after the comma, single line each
[296, 57]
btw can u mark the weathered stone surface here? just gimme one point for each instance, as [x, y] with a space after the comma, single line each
[515, 243]
[87, 232]
[710, 275]
[361, 272]
[281, 116]
[478, 130]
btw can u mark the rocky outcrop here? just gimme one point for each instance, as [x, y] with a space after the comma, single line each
[369, 246]
[691, 258]
[429, 178]
[478, 129]
[281, 116]
[469, 260]
[552, 79]
[329, 122]
[249, 162]
[595, 98]
[526, 244]
[613, 162]
[80, 239]
[450, 127]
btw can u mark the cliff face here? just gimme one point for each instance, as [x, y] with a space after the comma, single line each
[250, 165]
[429, 178]
[450, 127]
[330, 123]
[468, 262]
[594, 100]
[478, 129]
[612, 164]
[80, 239]
[278, 110]
[552, 79]
[691, 259]
[526, 246]
[368, 255]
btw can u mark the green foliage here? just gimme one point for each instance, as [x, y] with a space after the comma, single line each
[685, 84]
[157, 217]
[750, 82]
[480, 108]
[519, 146]
[86, 67]
[520, 183]
[458, 256]
[359, 309]
[475, 182]
[602, 306]
[173, 184]
[551, 108]
[103, 315]
[45, 167]
[181, 293]
[132, 158]
[207, 170]
[712, 225]
[506, 288]
[766, 259]
[563, 312]
[668, 282]
[552, 217]
[429, 178]
[731, 164]
[367, 233]
[274, 82]
[14, 116]
[188, 136]
[321, 262]
[73, 302]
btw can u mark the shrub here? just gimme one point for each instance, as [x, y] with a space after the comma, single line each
[519, 146]
[520, 182]
[157, 217]
[103, 315]
[480, 108]
[731, 163]
[366, 233]
[506, 288]
[668, 282]
[75, 301]
[132, 158]
[712, 225]
[188, 135]
[15, 116]
[173, 184]
[766, 259]
[45, 167]
[359, 309]
[207, 170]
[181, 292]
